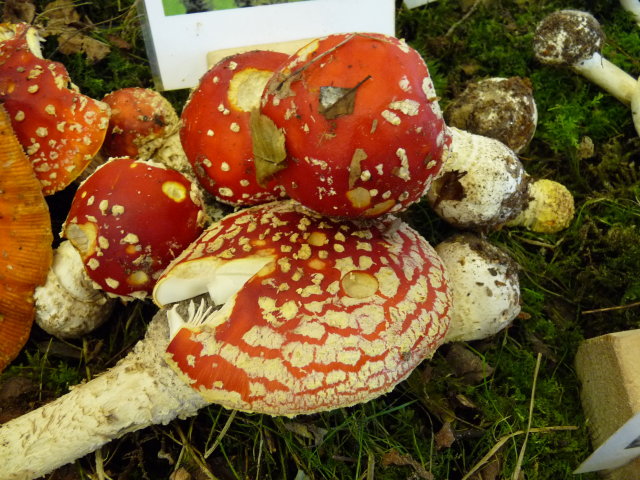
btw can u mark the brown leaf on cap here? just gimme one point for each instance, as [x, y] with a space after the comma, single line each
[25, 242]
[268, 147]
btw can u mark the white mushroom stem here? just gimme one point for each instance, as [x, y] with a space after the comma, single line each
[633, 7]
[608, 76]
[68, 305]
[483, 186]
[141, 390]
[485, 287]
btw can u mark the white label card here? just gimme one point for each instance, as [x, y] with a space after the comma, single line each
[619, 449]
[180, 33]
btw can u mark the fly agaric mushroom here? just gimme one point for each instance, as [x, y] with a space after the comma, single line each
[483, 186]
[25, 242]
[141, 120]
[573, 38]
[500, 108]
[334, 314]
[317, 313]
[128, 220]
[485, 287]
[142, 124]
[59, 128]
[350, 126]
[68, 305]
[215, 130]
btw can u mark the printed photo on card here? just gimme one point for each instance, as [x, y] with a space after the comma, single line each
[183, 36]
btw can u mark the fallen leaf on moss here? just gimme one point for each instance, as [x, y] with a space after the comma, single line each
[445, 436]
[467, 365]
[16, 11]
[395, 458]
[64, 22]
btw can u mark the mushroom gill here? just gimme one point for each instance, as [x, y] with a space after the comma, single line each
[25, 242]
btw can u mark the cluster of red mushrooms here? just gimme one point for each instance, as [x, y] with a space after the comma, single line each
[313, 294]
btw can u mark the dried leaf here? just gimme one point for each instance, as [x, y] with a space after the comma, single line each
[75, 42]
[338, 101]
[445, 436]
[269, 152]
[395, 458]
[467, 365]
[64, 22]
[308, 431]
[16, 11]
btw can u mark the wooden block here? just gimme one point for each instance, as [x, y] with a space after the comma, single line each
[608, 369]
[289, 48]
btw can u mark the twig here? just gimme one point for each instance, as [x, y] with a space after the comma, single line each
[465, 16]
[516, 471]
[506, 438]
[609, 309]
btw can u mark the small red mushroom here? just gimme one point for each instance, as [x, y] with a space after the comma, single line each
[318, 313]
[128, 220]
[215, 131]
[141, 120]
[363, 132]
[59, 128]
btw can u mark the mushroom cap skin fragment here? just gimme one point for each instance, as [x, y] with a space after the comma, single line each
[484, 284]
[59, 128]
[363, 132]
[216, 123]
[500, 108]
[128, 220]
[328, 313]
[141, 119]
[482, 185]
[25, 242]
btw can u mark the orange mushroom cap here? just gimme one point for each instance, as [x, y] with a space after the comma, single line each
[363, 132]
[339, 313]
[128, 220]
[59, 128]
[140, 120]
[25, 242]
[215, 131]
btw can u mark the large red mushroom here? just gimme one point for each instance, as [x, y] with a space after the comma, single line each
[59, 128]
[350, 126]
[215, 130]
[317, 313]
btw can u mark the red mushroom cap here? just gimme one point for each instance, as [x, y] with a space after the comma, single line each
[59, 128]
[215, 131]
[128, 220]
[331, 314]
[140, 121]
[364, 134]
